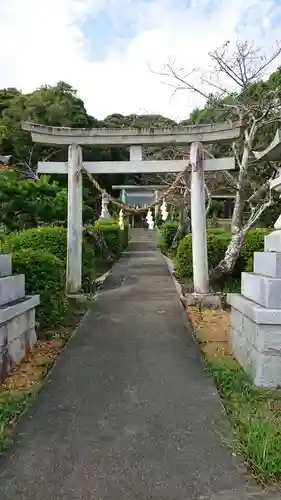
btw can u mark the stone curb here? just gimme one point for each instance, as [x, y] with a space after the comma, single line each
[177, 284]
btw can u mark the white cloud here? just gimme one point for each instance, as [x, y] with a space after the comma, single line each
[42, 42]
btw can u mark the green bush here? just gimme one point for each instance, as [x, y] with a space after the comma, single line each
[166, 234]
[49, 239]
[125, 236]
[28, 203]
[54, 241]
[217, 241]
[217, 244]
[254, 242]
[44, 275]
[113, 236]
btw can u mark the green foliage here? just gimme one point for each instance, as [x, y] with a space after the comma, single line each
[48, 239]
[12, 406]
[255, 416]
[166, 234]
[54, 241]
[31, 203]
[125, 236]
[254, 242]
[44, 275]
[25, 204]
[112, 235]
[217, 242]
[56, 105]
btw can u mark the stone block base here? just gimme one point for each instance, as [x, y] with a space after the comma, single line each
[17, 336]
[256, 340]
[208, 300]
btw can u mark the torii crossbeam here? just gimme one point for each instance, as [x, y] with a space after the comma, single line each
[135, 139]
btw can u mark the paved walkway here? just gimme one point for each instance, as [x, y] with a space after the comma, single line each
[129, 411]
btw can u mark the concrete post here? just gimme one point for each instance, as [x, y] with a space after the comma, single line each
[74, 226]
[198, 221]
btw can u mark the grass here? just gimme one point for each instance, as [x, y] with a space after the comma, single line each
[12, 406]
[255, 415]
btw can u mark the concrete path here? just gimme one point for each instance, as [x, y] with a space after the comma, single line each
[129, 412]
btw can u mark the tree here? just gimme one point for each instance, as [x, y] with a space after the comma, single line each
[234, 90]
[56, 105]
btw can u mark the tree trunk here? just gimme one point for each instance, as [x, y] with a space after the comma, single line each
[226, 265]
[183, 228]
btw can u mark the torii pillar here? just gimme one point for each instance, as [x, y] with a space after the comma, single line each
[198, 220]
[74, 220]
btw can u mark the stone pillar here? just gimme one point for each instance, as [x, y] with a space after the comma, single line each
[74, 225]
[198, 221]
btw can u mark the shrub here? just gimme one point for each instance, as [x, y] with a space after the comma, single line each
[27, 203]
[49, 239]
[112, 234]
[217, 244]
[52, 240]
[166, 234]
[217, 241]
[44, 275]
[254, 242]
[125, 236]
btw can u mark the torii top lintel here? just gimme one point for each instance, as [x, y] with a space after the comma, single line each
[118, 137]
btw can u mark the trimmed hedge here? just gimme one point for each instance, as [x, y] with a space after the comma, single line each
[116, 240]
[167, 232]
[52, 240]
[165, 236]
[48, 247]
[254, 242]
[217, 242]
[44, 275]
[112, 235]
[49, 239]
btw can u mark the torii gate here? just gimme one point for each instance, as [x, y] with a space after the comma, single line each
[135, 139]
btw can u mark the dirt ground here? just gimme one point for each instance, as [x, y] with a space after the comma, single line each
[211, 327]
[33, 368]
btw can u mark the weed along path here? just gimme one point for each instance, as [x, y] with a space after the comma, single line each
[128, 412]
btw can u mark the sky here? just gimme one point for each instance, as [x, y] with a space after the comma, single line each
[106, 48]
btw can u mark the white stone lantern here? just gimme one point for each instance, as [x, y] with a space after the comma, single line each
[164, 211]
[150, 220]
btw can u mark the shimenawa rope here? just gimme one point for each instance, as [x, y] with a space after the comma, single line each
[125, 207]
